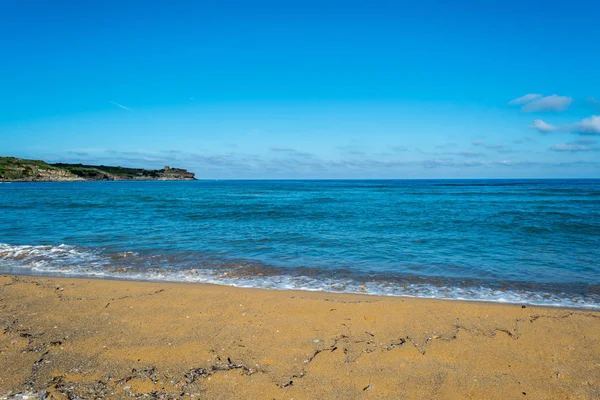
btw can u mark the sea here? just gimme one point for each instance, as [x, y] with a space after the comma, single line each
[509, 241]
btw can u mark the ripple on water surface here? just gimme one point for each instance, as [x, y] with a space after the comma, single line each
[533, 241]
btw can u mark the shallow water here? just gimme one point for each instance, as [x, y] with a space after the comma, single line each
[521, 241]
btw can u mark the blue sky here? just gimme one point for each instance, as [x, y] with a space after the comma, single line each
[338, 89]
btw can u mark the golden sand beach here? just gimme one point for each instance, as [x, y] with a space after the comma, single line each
[82, 338]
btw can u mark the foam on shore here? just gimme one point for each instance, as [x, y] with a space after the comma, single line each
[70, 261]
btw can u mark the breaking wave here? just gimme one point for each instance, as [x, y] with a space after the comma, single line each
[71, 261]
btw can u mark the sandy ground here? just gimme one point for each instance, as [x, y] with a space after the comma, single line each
[79, 338]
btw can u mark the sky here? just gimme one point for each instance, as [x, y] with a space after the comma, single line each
[305, 89]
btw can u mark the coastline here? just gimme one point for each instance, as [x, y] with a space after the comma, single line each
[111, 338]
[13, 169]
[367, 294]
[100, 180]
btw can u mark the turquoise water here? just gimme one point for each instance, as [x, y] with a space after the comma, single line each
[535, 242]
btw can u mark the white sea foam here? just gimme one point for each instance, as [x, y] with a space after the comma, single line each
[66, 260]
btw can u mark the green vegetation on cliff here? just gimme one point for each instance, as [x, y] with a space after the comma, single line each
[17, 169]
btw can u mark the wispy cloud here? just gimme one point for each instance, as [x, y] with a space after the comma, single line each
[480, 143]
[515, 163]
[468, 153]
[525, 141]
[121, 106]
[290, 163]
[573, 147]
[525, 99]
[289, 151]
[354, 150]
[140, 158]
[583, 144]
[398, 149]
[438, 163]
[543, 127]
[448, 145]
[219, 160]
[78, 153]
[172, 151]
[586, 141]
[154, 159]
[538, 103]
[282, 149]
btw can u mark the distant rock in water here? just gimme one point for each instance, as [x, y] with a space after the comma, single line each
[14, 169]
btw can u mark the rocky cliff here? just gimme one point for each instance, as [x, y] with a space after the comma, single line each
[14, 169]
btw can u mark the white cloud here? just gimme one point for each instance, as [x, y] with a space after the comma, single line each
[525, 99]
[548, 103]
[572, 147]
[121, 106]
[544, 127]
[588, 126]
[536, 102]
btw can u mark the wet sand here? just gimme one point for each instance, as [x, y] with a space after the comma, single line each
[83, 338]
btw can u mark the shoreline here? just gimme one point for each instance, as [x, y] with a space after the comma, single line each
[50, 275]
[109, 338]
[301, 291]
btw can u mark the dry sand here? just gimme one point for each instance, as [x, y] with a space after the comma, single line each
[80, 338]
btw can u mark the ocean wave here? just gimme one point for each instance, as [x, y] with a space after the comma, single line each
[65, 260]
